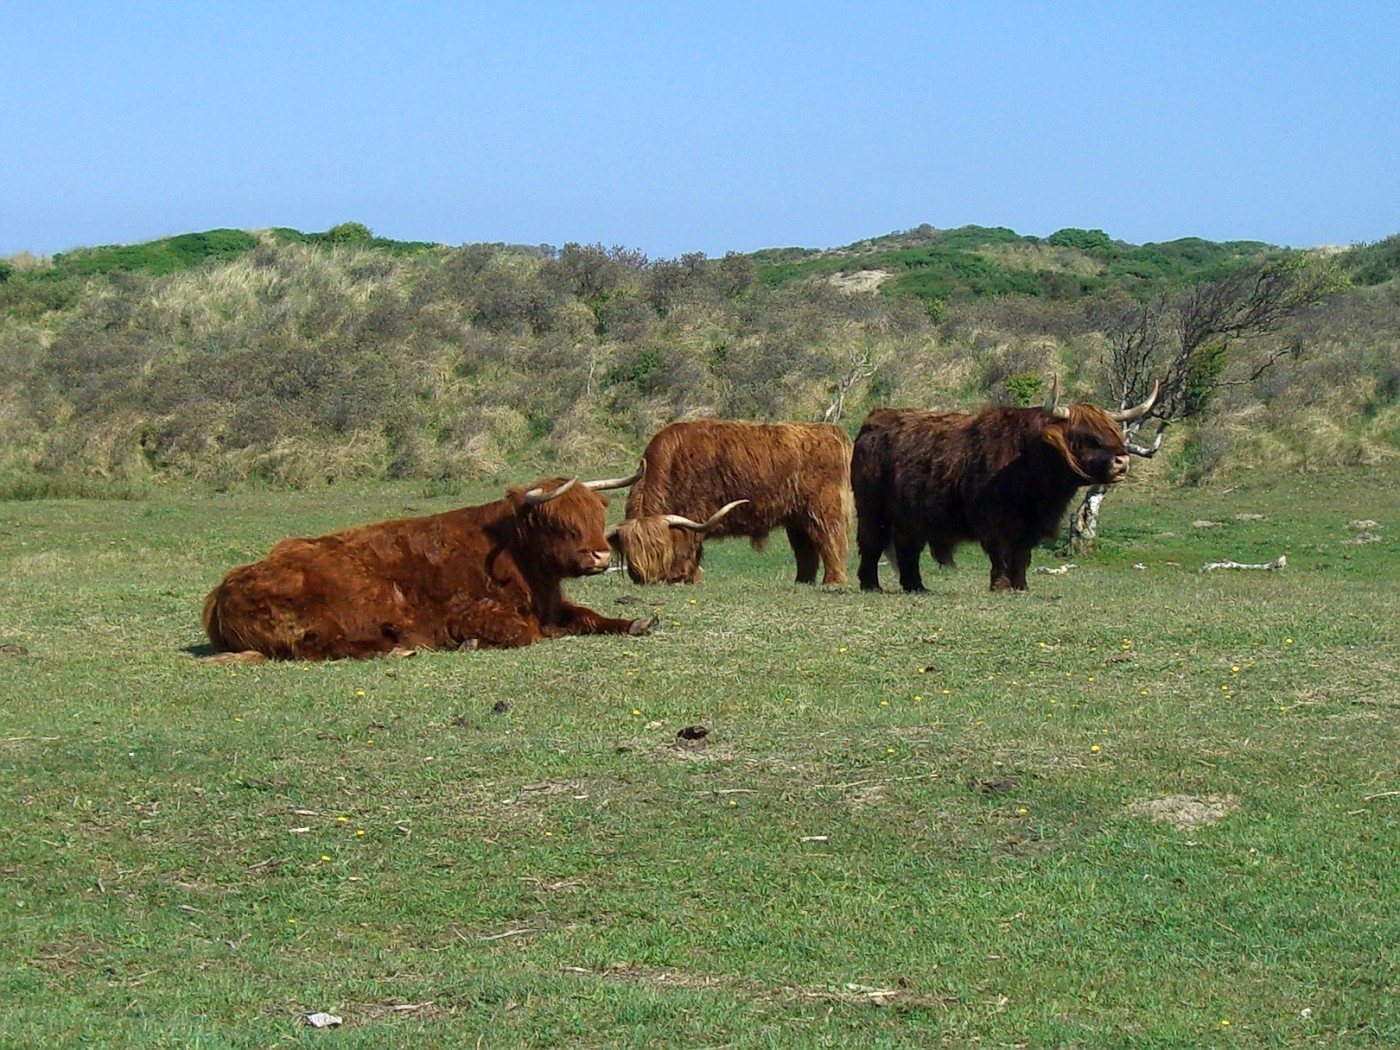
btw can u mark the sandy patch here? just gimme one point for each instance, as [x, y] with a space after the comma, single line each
[1185, 811]
[861, 280]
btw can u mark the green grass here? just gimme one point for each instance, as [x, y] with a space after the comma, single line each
[934, 797]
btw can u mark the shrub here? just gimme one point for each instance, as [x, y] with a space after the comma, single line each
[1023, 390]
[1084, 240]
[356, 233]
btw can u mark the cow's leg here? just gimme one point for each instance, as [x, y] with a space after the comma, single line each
[340, 646]
[1020, 562]
[348, 633]
[833, 563]
[1000, 557]
[576, 619]
[487, 622]
[908, 548]
[828, 524]
[806, 553]
[833, 546]
[871, 540]
[315, 647]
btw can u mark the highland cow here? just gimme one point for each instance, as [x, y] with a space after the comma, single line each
[793, 476]
[488, 576]
[1002, 477]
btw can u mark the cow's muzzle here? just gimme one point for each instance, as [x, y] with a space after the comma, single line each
[594, 562]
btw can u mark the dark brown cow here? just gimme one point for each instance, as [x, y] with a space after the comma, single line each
[1003, 477]
[479, 576]
[795, 476]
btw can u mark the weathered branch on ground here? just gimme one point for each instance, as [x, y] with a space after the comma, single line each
[1277, 563]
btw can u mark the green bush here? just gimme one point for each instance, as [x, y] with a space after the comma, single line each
[1084, 240]
[1373, 264]
[1024, 390]
[356, 233]
[1203, 372]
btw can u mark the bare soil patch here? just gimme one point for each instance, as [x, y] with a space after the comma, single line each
[861, 280]
[1186, 811]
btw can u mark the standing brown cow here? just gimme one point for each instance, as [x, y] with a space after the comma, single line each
[794, 476]
[653, 549]
[1003, 477]
[489, 575]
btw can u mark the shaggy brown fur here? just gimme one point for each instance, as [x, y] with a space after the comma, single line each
[795, 475]
[654, 551]
[659, 548]
[1003, 477]
[488, 575]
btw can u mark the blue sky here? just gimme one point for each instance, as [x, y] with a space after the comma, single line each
[676, 127]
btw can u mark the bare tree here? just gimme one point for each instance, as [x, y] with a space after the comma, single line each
[1220, 333]
[860, 366]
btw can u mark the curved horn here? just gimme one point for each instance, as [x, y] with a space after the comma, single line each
[537, 496]
[697, 526]
[1137, 411]
[618, 483]
[1051, 399]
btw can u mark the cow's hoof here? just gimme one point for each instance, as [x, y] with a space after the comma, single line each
[643, 626]
[401, 652]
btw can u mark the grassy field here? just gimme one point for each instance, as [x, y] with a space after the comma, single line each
[1140, 805]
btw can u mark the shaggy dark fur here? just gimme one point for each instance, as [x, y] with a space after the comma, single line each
[1002, 477]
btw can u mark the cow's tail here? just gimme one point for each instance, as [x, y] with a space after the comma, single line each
[213, 620]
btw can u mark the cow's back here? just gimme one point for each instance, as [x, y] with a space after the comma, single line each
[917, 466]
[694, 468]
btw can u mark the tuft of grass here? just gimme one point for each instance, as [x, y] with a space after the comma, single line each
[914, 819]
[47, 487]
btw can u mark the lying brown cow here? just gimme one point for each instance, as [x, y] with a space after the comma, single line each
[1003, 477]
[791, 476]
[479, 576]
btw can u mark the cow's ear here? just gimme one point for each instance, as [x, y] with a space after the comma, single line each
[1056, 435]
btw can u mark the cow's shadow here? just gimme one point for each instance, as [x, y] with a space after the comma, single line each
[199, 651]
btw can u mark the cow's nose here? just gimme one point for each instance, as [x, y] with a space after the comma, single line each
[601, 558]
